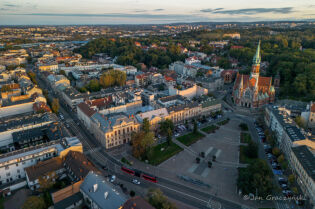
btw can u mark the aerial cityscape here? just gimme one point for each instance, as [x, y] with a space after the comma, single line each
[134, 104]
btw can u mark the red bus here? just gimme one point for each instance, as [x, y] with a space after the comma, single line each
[127, 170]
[149, 178]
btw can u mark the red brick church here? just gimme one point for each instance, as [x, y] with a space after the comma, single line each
[252, 90]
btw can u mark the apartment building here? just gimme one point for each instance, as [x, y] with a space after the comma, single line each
[99, 194]
[303, 164]
[13, 164]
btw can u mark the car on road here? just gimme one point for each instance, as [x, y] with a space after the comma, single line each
[112, 178]
[135, 181]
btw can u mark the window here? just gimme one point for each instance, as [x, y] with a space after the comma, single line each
[7, 167]
[8, 174]
[18, 170]
[17, 165]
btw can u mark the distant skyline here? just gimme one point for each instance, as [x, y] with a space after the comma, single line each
[63, 12]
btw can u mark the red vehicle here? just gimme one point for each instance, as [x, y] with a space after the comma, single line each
[139, 174]
[149, 178]
[127, 170]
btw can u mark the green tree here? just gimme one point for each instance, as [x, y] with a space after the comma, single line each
[276, 151]
[146, 125]
[251, 150]
[291, 179]
[195, 127]
[165, 125]
[280, 159]
[169, 136]
[55, 105]
[34, 202]
[158, 200]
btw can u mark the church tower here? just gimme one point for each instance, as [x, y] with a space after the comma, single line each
[256, 64]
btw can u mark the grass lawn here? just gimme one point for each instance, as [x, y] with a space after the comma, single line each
[243, 157]
[221, 123]
[157, 156]
[210, 129]
[2, 203]
[245, 137]
[190, 138]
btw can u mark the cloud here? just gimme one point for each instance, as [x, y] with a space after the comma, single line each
[119, 15]
[140, 10]
[157, 10]
[251, 11]
[10, 5]
[211, 10]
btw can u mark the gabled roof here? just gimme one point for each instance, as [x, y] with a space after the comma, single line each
[101, 192]
[43, 168]
[78, 164]
[137, 203]
[86, 109]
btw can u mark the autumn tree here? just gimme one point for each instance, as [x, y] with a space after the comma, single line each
[141, 142]
[55, 105]
[157, 199]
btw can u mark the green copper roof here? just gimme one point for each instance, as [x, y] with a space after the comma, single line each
[256, 59]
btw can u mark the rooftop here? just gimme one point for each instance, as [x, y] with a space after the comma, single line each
[19, 122]
[137, 203]
[306, 158]
[43, 167]
[78, 164]
[101, 192]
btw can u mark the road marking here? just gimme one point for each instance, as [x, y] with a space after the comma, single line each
[192, 168]
[205, 172]
[183, 193]
[208, 151]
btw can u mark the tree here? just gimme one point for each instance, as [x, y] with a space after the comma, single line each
[34, 202]
[209, 164]
[165, 125]
[94, 85]
[300, 122]
[197, 160]
[62, 72]
[195, 127]
[280, 159]
[291, 179]
[169, 136]
[141, 142]
[256, 178]
[146, 125]
[251, 150]
[132, 193]
[243, 126]
[55, 105]
[158, 200]
[276, 151]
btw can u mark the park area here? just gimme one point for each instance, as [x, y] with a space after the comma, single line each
[162, 152]
[190, 138]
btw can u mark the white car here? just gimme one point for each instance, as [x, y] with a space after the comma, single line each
[113, 178]
[135, 181]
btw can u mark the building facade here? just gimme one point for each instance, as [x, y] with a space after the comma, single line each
[253, 91]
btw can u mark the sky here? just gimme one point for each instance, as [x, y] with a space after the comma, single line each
[63, 12]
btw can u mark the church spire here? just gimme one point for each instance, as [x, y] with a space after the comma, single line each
[257, 58]
[256, 64]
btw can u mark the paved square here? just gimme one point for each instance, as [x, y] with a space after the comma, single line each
[224, 144]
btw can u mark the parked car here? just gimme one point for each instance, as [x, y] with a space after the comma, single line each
[284, 186]
[112, 178]
[135, 181]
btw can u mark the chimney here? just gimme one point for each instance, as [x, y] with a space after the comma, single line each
[105, 195]
[95, 187]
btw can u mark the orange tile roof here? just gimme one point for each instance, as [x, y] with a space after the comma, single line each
[313, 108]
